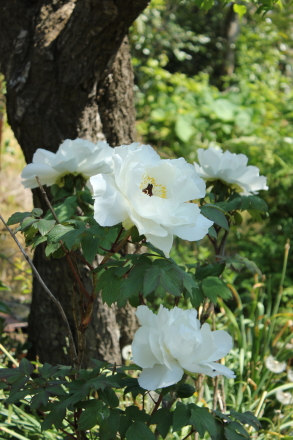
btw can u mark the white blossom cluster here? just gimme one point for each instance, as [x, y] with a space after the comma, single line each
[132, 185]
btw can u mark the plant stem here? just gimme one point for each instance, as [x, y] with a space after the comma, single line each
[191, 432]
[49, 293]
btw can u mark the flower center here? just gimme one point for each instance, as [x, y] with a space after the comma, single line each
[150, 187]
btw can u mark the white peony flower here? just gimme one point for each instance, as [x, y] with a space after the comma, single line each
[151, 194]
[231, 169]
[290, 375]
[275, 366]
[172, 342]
[73, 157]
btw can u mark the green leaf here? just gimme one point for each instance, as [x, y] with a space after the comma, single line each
[181, 416]
[133, 285]
[238, 262]
[109, 397]
[38, 240]
[51, 248]
[214, 287]
[58, 232]
[125, 423]
[55, 417]
[40, 399]
[240, 10]
[70, 238]
[163, 419]
[110, 426]
[16, 397]
[17, 217]
[184, 390]
[26, 367]
[139, 430]
[47, 370]
[253, 203]
[171, 282]
[212, 232]
[224, 109]
[45, 226]
[216, 215]
[183, 127]
[203, 420]
[37, 211]
[136, 414]
[110, 286]
[64, 210]
[234, 431]
[28, 221]
[90, 247]
[151, 279]
[247, 418]
[205, 271]
[93, 415]
[197, 298]
[18, 384]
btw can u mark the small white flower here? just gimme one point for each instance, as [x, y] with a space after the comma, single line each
[290, 375]
[284, 397]
[275, 366]
[151, 194]
[172, 342]
[231, 169]
[73, 157]
[127, 352]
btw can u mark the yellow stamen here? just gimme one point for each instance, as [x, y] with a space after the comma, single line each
[156, 190]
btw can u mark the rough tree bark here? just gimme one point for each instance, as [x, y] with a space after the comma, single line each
[68, 73]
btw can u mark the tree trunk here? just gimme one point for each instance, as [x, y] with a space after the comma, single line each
[68, 73]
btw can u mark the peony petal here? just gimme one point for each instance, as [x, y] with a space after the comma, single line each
[110, 206]
[163, 243]
[141, 349]
[146, 316]
[45, 172]
[159, 377]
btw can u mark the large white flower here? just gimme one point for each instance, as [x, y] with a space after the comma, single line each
[151, 193]
[172, 342]
[230, 168]
[73, 157]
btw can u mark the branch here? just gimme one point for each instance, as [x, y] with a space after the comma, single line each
[49, 293]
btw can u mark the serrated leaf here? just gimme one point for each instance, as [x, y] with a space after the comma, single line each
[18, 384]
[39, 399]
[55, 417]
[58, 231]
[28, 221]
[214, 270]
[139, 430]
[181, 416]
[253, 203]
[17, 217]
[234, 431]
[109, 397]
[90, 247]
[171, 282]
[197, 298]
[37, 211]
[110, 426]
[110, 286]
[26, 367]
[151, 279]
[47, 370]
[93, 415]
[163, 419]
[70, 238]
[203, 420]
[136, 414]
[247, 418]
[38, 240]
[51, 248]
[215, 214]
[214, 287]
[45, 226]
[133, 285]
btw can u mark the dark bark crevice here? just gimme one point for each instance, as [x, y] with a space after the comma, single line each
[68, 73]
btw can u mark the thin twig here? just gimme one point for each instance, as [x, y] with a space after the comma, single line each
[47, 200]
[191, 432]
[49, 293]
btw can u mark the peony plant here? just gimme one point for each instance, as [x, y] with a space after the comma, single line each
[231, 169]
[143, 199]
[78, 157]
[173, 342]
[152, 194]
